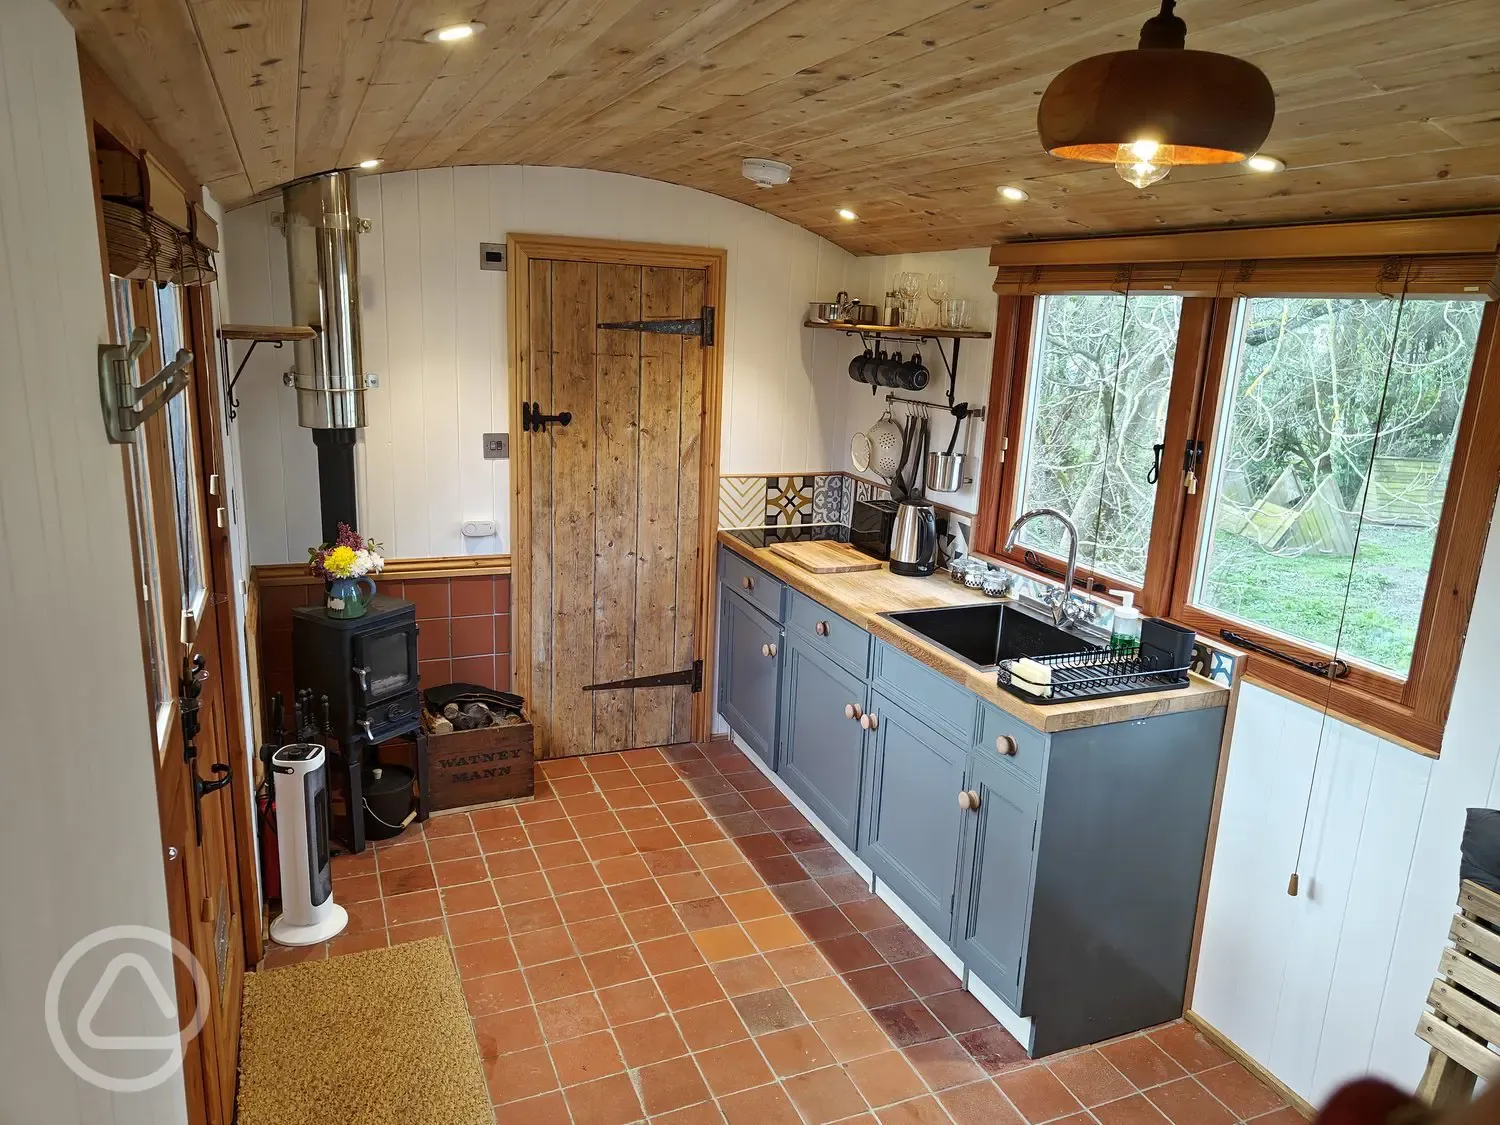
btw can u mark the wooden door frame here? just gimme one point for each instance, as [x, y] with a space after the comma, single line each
[522, 249]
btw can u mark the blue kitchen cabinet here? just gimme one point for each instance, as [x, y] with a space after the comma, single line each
[822, 744]
[749, 672]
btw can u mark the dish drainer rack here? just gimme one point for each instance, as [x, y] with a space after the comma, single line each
[1093, 674]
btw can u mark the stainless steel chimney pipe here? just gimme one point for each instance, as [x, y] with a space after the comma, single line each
[322, 255]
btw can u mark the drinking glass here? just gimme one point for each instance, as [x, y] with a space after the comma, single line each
[955, 313]
[939, 285]
[909, 286]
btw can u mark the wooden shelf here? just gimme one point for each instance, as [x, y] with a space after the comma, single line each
[267, 333]
[893, 330]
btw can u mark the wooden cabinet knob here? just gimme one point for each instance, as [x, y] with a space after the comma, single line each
[1006, 745]
[853, 711]
[968, 800]
[869, 721]
[821, 628]
[747, 582]
[768, 650]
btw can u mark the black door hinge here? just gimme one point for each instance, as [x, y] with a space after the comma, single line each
[701, 326]
[688, 677]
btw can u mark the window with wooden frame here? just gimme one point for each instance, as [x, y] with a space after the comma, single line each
[1276, 437]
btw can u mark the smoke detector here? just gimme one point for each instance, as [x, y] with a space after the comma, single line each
[765, 173]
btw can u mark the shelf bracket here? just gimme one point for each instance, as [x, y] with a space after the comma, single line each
[127, 405]
[232, 403]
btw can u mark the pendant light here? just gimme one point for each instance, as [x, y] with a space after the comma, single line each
[1148, 110]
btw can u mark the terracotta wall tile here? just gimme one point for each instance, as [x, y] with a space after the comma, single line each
[470, 597]
[433, 640]
[473, 636]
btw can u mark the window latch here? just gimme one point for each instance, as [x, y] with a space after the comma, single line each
[1192, 461]
[1154, 473]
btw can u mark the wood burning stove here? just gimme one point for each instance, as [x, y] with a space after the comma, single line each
[367, 670]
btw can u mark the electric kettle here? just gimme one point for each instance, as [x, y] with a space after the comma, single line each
[914, 540]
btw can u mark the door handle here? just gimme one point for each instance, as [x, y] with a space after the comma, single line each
[533, 421]
[364, 678]
[968, 800]
[768, 650]
[1006, 745]
[853, 711]
[869, 720]
[222, 777]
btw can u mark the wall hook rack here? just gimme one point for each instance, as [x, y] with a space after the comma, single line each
[867, 332]
[127, 404]
[256, 334]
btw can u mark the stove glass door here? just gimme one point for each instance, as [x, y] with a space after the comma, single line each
[389, 660]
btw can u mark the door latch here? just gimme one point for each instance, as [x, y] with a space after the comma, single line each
[533, 421]
[1192, 461]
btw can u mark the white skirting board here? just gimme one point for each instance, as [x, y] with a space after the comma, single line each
[1016, 1025]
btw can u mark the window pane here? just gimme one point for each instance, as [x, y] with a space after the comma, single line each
[1096, 402]
[157, 637]
[173, 321]
[1313, 437]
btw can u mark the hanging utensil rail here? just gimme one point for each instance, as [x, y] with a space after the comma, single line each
[974, 411]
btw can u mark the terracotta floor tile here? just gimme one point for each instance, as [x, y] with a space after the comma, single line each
[622, 869]
[357, 943]
[603, 823]
[537, 947]
[598, 934]
[456, 872]
[705, 913]
[685, 886]
[550, 832]
[711, 1025]
[365, 917]
[795, 1050]
[346, 865]
[584, 805]
[585, 905]
[1286, 1115]
[749, 905]
[719, 853]
[542, 914]
[845, 888]
[1092, 1078]
[667, 955]
[1141, 1061]
[665, 792]
[571, 880]
[479, 925]
[801, 895]
[610, 845]
[650, 1041]
[482, 958]
[522, 861]
[630, 1003]
[417, 931]
[561, 855]
[824, 861]
[640, 819]
[447, 824]
[825, 923]
[505, 1032]
[1188, 1047]
[540, 810]
[979, 1103]
[544, 1109]
[688, 988]
[655, 839]
[498, 841]
[585, 1059]
[778, 870]
[675, 861]
[704, 1113]
[1186, 1102]
[852, 1036]
[824, 1095]
[732, 1067]
[468, 897]
[609, 1101]
[405, 880]
[824, 997]
[406, 853]
[701, 831]
[1038, 1094]
[994, 1049]
[897, 943]
[729, 804]
[918, 1111]
[880, 986]
[723, 943]
[598, 764]
[1244, 1094]
[614, 966]
[885, 1078]
[943, 1063]
[799, 963]
[763, 846]
[927, 975]
[670, 1085]
[745, 975]
[571, 1016]
[959, 1011]
[464, 846]
[850, 953]
[802, 837]
[359, 888]
[657, 922]
[520, 1075]
[734, 877]
[627, 796]
[908, 1023]
[500, 817]
[556, 979]
[771, 1010]
[417, 907]
[639, 895]
[775, 933]
[512, 890]
[764, 1105]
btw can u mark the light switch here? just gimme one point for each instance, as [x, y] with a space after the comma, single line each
[496, 447]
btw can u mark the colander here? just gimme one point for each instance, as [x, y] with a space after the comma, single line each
[885, 440]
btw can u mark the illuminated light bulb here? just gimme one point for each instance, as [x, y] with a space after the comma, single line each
[1143, 162]
[454, 32]
[1263, 163]
[1014, 194]
[368, 164]
[847, 215]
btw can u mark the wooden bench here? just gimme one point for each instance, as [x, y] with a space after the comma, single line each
[1464, 1019]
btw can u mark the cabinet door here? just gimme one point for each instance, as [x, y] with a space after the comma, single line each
[912, 818]
[995, 893]
[822, 748]
[749, 665]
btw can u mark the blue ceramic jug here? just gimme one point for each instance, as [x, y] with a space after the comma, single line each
[344, 599]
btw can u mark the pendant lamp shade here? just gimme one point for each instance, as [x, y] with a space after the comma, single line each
[1157, 106]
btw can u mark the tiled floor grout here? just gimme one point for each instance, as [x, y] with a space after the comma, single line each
[700, 784]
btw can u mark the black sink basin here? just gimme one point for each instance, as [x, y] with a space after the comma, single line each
[987, 633]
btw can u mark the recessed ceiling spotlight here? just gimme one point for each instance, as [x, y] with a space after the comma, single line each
[453, 33]
[847, 215]
[1014, 194]
[368, 164]
[1260, 162]
[765, 173]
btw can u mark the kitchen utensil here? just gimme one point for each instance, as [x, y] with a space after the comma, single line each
[859, 452]
[870, 526]
[822, 312]
[914, 375]
[822, 556]
[885, 439]
[917, 481]
[914, 540]
[908, 438]
[945, 471]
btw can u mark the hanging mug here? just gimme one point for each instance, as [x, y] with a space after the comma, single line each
[859, 365]
[889, 371]
[343, 600]
[914, 373]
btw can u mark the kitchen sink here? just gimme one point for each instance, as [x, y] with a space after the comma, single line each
[983, 635]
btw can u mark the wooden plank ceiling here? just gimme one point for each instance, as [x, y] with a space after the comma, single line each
[910, 112]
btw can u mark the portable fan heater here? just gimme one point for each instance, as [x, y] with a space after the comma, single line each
[308, 913]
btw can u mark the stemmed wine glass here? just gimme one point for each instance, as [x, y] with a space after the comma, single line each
[909, 287]
[939, 285]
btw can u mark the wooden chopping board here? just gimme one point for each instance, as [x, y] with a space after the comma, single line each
[826, 557]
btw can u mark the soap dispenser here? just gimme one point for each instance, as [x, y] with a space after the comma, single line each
[1125, 634]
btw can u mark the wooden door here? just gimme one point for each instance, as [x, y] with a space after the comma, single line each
[611, 518]
[182, 644]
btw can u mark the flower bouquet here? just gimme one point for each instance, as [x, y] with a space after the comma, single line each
[345, 565]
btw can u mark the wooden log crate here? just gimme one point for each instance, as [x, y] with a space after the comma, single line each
[1465, 1003]
[478, 767]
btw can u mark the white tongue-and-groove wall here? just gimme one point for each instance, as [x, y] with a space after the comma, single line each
[435, 333]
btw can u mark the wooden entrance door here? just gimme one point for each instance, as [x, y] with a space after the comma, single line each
[610, 556]
[172, 488]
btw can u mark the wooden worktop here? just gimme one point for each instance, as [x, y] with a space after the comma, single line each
[862, 596]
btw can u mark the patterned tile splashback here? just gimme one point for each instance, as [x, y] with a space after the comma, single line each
[775, 501]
